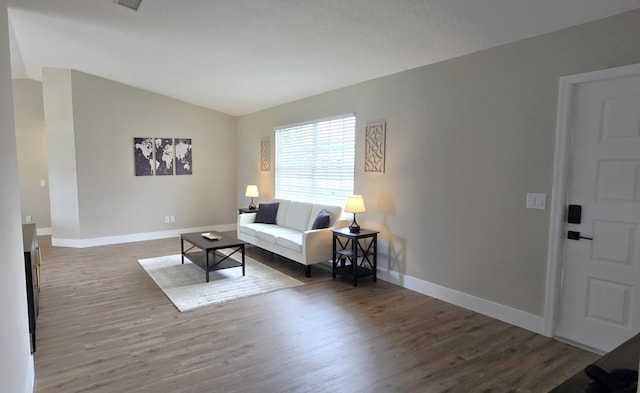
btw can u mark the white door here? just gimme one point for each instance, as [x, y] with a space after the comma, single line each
[600, 288]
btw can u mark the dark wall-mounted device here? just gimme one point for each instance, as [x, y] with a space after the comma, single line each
[574, 215]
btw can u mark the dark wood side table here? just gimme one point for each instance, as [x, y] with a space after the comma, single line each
[243, 210]
[355, 254]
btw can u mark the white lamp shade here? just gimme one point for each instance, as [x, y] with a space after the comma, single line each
[252, 191]
[355, 204]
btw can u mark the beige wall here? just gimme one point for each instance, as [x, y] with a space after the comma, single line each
[16, 362]
[466, 140]
[90, 135]
[32, 151]
[61, 153]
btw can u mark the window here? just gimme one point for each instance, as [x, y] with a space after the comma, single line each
[315, 161]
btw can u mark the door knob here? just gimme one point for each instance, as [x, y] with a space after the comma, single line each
[574, 235]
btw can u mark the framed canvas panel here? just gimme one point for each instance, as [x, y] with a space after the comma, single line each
[164, 156]
[143, 156]
[184, 158]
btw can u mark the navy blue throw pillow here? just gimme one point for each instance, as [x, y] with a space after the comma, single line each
[267, 213]
[323, 219]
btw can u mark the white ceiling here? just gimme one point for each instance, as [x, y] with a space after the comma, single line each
[240, 56]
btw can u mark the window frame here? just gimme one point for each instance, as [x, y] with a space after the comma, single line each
[315, 160]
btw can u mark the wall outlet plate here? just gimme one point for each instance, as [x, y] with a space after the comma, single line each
[536, 201]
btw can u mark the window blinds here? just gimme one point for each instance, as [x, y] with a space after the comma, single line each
[315, 161]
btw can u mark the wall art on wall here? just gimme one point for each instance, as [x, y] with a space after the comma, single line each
[143, 156]
[265, 154]
[159, 156]
[374, 147]
[184, 162]
[163, 156]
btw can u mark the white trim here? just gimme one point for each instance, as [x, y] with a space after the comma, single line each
[134, 237]
[498, 311]
[43, 231]
[558, 196]
[305, 123]
[31, 376]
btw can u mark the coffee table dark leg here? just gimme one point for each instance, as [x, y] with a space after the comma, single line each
[242, 260]
[206, 253]
[182, 248]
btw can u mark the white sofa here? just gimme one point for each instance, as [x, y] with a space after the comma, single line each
[291, 236]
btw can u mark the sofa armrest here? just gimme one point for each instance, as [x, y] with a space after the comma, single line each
[317, 245]
[246, 218]
[340, 223]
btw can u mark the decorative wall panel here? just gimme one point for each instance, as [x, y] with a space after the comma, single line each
[265, 154]
[374, 147]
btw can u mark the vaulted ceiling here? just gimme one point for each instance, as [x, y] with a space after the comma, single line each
[240, 56]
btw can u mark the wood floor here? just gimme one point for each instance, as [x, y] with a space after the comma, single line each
[104, 326]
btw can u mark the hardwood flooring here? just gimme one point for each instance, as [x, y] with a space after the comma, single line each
[104, 326]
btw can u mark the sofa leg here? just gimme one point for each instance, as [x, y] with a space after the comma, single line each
[307, 271]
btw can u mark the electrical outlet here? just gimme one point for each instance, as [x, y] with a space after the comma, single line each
[28, 218]
[536, 201]
[166, 219]
[172, 218]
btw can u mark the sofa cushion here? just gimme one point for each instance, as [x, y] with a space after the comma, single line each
[272, 232]
[267, 213]
[291, 241]
[334, 212]
[298, 215]
[282, 211]
[252, 229]
[323, 219]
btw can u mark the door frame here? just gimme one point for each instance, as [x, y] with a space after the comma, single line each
[566, 89]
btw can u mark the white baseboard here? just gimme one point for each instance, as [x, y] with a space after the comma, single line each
[31, 376]
[134, 237]
[532, 322]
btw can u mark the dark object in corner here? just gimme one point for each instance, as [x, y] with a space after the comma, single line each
[617, 381]
[32, 275]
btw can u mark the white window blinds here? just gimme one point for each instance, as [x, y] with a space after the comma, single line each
[315, 161]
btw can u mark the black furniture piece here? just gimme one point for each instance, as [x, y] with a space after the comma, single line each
[625, 356]
[355, 255]
[32, 274]
[207, 258]
[243, 210]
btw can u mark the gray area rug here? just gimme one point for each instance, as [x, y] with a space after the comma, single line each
[185, 284]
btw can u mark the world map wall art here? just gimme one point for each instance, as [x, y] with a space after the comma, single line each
[162, 156]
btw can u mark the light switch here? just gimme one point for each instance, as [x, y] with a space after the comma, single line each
[43, 183]
[536, 201]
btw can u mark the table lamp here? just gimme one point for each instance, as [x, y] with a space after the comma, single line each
[252, 191]
[355, 204]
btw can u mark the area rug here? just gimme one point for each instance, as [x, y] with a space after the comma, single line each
[186, 288]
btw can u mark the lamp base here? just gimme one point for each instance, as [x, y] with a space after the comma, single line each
[252, 206]
[354, 227]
